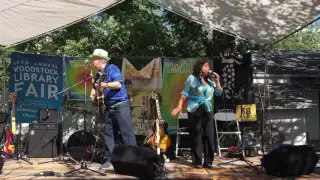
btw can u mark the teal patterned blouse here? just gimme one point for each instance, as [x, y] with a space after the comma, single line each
[199, 94]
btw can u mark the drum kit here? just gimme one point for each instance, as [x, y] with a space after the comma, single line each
[86, 144]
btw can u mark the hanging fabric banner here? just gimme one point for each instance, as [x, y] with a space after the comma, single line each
[175, 73]
[140, 85]
[37, 81]
[78, 77]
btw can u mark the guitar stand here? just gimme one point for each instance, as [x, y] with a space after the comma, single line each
[17, 156]
[84, 167]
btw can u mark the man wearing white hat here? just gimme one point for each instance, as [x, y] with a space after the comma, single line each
[117, 112]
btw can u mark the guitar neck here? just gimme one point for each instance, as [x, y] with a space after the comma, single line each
[13, 118]
[158, 109]
[13, 113]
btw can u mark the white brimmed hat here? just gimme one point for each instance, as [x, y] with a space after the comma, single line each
[101, 53]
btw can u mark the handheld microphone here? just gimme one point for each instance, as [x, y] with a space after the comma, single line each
[211, 72]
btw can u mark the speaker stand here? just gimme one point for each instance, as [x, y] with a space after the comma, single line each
[84, 167]
[18, 154]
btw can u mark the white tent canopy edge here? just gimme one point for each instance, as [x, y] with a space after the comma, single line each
[263, 21]
[21, 21]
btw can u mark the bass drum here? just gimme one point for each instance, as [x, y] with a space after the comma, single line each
[85, 145]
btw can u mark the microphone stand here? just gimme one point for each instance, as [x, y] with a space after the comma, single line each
[84, 79]
[262, 119]
[83, 166]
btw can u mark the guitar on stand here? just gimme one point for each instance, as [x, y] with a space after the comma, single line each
[159, 140]
[9, 144]
[13, 143]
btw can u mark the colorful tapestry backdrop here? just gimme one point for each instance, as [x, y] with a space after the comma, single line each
[78, 71]
[139, 85]
[36, 79]
[175, 73]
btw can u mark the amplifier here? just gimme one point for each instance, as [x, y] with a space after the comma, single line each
[48, 115]
[44, 140]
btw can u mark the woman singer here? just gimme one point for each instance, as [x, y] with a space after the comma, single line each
[199, 88]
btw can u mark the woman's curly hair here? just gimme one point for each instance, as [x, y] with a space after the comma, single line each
[197, 67]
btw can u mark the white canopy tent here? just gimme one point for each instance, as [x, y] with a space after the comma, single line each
[263, 21]
[21, 20]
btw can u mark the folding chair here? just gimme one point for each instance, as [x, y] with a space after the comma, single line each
[227, 117]
[182, 130]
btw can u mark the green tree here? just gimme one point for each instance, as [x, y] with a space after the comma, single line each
[307, 39]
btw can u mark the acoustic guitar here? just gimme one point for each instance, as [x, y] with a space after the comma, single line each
[99, 102]
[159, 140]
[99, 99]
[9, 145]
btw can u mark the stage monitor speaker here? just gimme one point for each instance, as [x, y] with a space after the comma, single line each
[44, 140]
[48, 115]
[287, 161]
[135, 161]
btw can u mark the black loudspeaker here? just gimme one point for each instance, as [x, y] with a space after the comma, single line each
[48, 115]
[3, 117]
[44, 140]
[135, 161]
[287, 161]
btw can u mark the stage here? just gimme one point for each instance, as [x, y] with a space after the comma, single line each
[178, 169]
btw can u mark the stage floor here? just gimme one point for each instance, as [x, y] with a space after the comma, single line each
[179, 169]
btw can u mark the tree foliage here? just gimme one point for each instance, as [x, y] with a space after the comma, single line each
[132, 28]
[307, 39]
